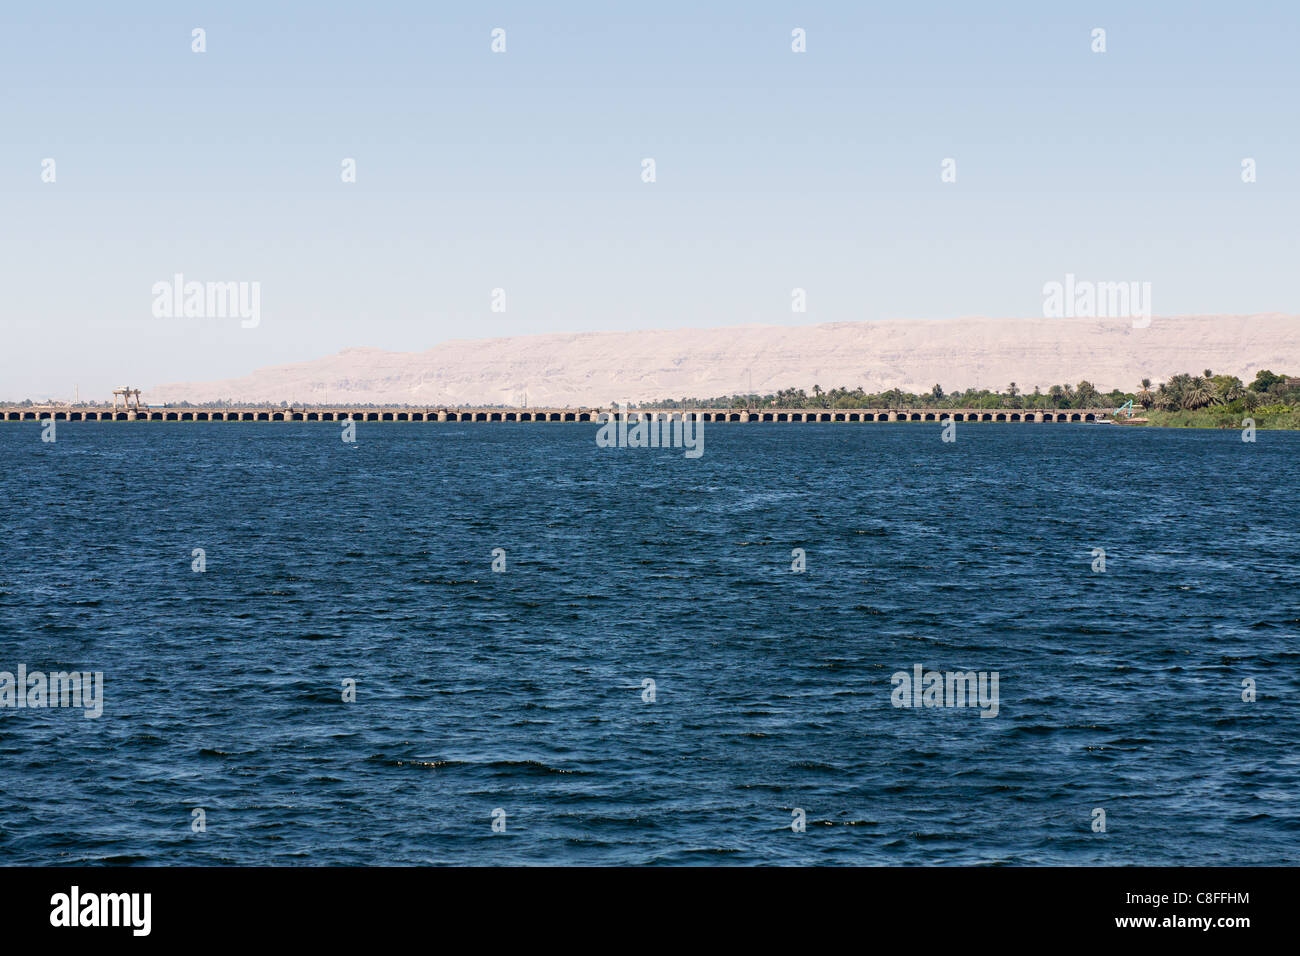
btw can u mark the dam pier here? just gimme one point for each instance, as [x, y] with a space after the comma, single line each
[341, 413]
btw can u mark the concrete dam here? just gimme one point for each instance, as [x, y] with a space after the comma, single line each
[73, 413]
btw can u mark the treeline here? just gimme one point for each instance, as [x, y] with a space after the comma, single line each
[1191, 392]
[1184, 392]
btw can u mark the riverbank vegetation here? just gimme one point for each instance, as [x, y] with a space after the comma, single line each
[1184, 400]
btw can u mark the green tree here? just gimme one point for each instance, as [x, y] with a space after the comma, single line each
[1228, 388]
[1264, 380]
[1199, 393]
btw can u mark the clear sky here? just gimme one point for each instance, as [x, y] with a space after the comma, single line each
[522, 170]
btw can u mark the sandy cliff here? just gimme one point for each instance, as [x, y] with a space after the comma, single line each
[594, 368]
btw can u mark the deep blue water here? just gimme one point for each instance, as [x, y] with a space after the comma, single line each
[522, 690]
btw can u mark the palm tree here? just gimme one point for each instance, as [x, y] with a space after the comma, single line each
[1199, 393]
[1250, 400]
[1177, 387]
[1086, 395]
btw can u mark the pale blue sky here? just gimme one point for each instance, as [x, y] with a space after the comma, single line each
[522, 171]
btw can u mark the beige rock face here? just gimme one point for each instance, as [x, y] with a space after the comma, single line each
[596, 368]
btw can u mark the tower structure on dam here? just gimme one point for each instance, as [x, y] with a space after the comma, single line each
[128, 395]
